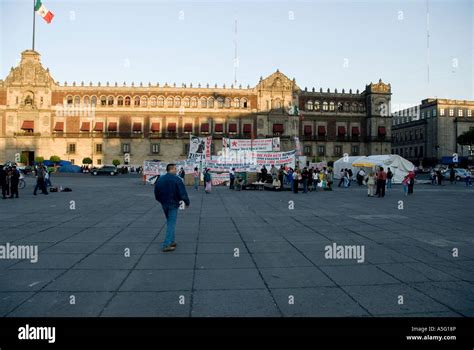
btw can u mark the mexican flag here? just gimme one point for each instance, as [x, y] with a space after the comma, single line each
[43, 11]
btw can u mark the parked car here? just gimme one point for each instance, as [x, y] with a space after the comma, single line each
[460, 174]
[105, 170]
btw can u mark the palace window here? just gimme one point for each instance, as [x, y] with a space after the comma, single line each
[69, 100]
[77, 100]
[144, 101]
[331, 106]
[321, 150]
[87, 100]
[203, 102]
[451, 112]
[355, 150]
[469, 112]
[120, 101]
[169, 102]
[155, 127]
[98, 148]
[125, 148]
[194, 102]
[460, 113]
[309, 105]
[177, 102]
[325, 106]
[236, 103]
[187, 102]
[340, 107]
[110, 101]
[307, 150]
[243, 103]
[155, 148]
[103, 101]
[441, 112]
[71, 148]
[210, 103]
[316, 106]
[136, 101]
[227, 103]
[220, 102]
[337, 151]
[127, 101]
[161, 101]
[94, 101]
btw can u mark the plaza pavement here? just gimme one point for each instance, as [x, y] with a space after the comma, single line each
[281, 269]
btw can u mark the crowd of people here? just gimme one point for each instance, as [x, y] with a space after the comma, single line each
[9, 181]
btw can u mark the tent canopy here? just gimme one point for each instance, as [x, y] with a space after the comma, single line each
[398, 165]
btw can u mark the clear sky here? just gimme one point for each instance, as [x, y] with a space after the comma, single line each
[329, 44]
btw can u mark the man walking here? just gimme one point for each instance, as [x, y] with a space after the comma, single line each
[170, 191]
[40, 180]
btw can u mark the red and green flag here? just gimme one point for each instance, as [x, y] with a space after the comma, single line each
[43, 11]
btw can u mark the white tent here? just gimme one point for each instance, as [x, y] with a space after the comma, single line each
[398, 165]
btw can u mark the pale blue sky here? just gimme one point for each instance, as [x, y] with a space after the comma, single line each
[148, 41]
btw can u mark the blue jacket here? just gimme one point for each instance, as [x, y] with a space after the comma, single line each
[170, 190]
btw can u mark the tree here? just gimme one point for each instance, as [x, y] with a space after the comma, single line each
[116, 162]
[39, 159]
[87, 160]
[466, 138]
[55, 159]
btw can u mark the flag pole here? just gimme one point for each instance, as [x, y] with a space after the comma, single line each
[34, 4]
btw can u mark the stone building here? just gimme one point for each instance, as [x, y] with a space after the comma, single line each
[40, 117]
[426, 132]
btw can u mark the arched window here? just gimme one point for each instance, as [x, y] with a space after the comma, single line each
[103, 101]
[144, 101]
[127, 101]
[136, 101]
[110, 101]
[236, 103]
[87, 100]
[186, 102]
[227, 102]
[161, 101]
[77, 100]
[169, 102]
[354, 107]
[220, 102]
[177, 102]
[94, 101]
[69, 100]
[361, 107]
[325, 106]
[120, 101]
[243, 103]
[309, 105]
[339, 107]
[347, 107]
[331, 106]
[194, 102]
[210, 102]
[153, 101]
[277, 104]
[316, 106]
[203, 102]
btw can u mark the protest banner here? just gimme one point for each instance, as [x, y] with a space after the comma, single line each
[267, 145]
[199, 147]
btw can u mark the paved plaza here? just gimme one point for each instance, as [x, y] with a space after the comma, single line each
[246, 253]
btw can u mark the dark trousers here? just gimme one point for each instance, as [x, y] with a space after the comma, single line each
[295, 186]
[5, 191]
[14, 190]
[410, 188]
[381, 188]
[341, 182]
[281, 181]
[40, 184]
[231, 186]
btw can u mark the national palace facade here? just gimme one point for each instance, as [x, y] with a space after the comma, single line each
[40, 117]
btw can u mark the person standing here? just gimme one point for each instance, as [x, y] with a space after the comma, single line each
[40, 180]
[281, 175]
[433, 177]
[381, 182]
[411, 181]
[360, 176]
[305, 178]
[370, 180]
[207, 181]
[232, 178]
[264, 173]
[389, 179]
[3, 181]
[405, 182]
[439, 175]
[452, 175]
[467, 179]
[170, 191]
[349, 177]
[182, 174]
[273, 172]
[14, 181]
[329, 179]
[196, 176]
[296, 180]
[342, 175]
[315, 180]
